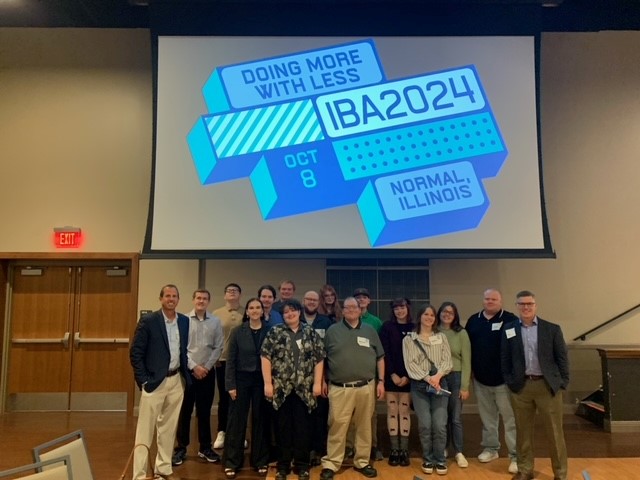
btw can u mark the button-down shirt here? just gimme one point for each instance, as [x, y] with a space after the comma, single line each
[205, 340]
[173, 334]
[530, 344]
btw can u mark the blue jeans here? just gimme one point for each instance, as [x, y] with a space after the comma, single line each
[431, 411]
[454, 410]
[493, 403]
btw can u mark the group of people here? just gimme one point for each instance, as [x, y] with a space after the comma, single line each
[311, 373]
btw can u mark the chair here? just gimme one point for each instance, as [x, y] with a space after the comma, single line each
[52, 469]
[72, 444]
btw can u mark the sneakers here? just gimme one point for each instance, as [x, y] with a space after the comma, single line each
[303, 474]
[513, 466]
[403, 459]
[179, 456]
[209, 455]
[219, 443]
[394, 458]
[487, 455]
[462, 461]
[368, 471]
[441, 469]
[427, 468]
[281, 475]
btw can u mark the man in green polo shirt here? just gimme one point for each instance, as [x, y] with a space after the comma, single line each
[354, 372]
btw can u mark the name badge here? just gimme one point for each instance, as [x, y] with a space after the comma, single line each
[363, 342]
[299, 343]
[320, 331]
[496, 326]
[435, 340]
[510, 332]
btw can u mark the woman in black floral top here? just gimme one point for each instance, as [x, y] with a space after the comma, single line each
[292, 367]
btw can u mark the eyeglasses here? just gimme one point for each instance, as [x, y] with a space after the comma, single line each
[306, 299]
[447, 312]
[525, 304]
[232, 290]
[328, 295]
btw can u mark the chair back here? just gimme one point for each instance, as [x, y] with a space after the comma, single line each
[52, 469]
[71, 444]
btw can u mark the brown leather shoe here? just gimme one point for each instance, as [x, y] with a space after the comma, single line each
[523, 476]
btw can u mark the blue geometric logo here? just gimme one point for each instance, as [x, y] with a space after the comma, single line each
[325, 128]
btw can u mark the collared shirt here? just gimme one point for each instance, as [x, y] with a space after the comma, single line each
[288, 373]
[173, 334]
[530, 344]
[437, 349]
[206, 340]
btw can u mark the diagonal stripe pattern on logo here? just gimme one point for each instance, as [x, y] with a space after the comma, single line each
[262, 129]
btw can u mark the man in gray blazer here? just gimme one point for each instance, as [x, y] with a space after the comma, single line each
[536, 370]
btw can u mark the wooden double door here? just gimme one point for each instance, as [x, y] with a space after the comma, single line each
[69, 333]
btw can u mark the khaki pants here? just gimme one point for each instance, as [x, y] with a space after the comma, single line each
[536, 396]
[159, 409]
[347, 405]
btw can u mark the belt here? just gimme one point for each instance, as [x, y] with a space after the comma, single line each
[534, 377]
[358, 384]
[171, 373]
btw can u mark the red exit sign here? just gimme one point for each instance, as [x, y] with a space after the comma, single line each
[67, 237]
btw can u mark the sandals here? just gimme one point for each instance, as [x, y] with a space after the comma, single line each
[263, 470]
[230, 472]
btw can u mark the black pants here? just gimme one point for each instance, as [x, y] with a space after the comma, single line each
[320, 418]
[199, 393]
[293, 433]
[223, 397]
[250, 389]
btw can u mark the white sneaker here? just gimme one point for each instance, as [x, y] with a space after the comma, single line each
[487, 455]
[219, 443]
[461, 460]
[513, 467]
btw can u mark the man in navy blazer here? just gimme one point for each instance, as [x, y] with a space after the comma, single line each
[159, 358]
[536, 370]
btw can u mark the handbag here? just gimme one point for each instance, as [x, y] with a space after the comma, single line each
[130, 460]
[426, 387]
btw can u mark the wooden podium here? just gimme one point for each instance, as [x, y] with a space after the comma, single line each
[620, 369]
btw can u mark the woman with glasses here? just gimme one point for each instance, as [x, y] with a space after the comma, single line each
[292, 366]
[329, 304]
[243, 381]
[396, 380]
[458, 379]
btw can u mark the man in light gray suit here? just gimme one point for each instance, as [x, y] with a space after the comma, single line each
[536, 370]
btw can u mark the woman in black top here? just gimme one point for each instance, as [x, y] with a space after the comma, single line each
[396, 380]
[243, 379]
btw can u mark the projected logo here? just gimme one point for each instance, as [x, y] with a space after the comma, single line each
[325, 128]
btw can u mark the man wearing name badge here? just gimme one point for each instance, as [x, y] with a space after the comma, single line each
[205, 346]
[158, 356]
[320, 415]
[536, 369]
[354, 374]
[484, 329]
[364, 300]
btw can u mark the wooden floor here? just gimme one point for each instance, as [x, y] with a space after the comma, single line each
[110, 437]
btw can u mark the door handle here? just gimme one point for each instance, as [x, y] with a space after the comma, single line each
[64, 340]
[77, 340]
